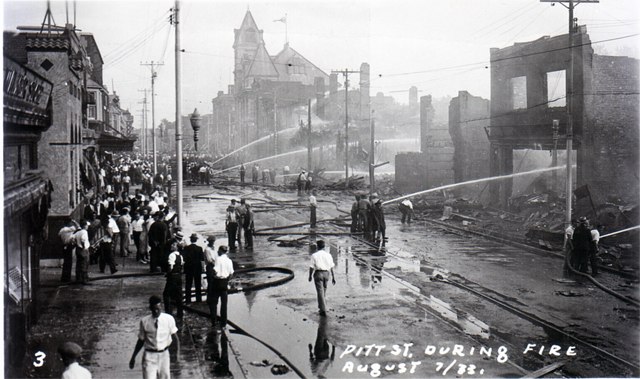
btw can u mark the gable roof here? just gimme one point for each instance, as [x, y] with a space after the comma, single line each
[284, 56]
[262, 65]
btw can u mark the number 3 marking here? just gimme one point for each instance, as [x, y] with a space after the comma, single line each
[40, 356]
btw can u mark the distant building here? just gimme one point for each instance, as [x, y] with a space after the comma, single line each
[266, 87]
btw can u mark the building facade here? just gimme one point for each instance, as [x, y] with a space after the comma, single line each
[27, 200]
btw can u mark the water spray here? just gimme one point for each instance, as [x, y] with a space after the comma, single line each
[252, 143]
[620, 231]
[536, 171]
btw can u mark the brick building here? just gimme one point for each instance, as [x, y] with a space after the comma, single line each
[27, 191]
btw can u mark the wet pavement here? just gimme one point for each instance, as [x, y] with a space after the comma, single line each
[391, 300]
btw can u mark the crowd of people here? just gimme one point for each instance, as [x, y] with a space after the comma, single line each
[367, 217]
[581, 245]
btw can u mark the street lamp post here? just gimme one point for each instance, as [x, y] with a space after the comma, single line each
[196, 121]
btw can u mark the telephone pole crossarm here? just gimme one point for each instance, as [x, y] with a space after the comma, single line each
[154, 75]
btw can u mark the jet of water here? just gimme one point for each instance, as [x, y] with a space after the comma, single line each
[620, 231]
[253, 143]
[536, 171]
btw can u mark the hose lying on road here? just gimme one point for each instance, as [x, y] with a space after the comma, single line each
[239, 330]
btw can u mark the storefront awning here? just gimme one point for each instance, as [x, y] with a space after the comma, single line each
[23, 194]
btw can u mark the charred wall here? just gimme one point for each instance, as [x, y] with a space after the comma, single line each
[433, 165]
[610, 139]
[468, 117]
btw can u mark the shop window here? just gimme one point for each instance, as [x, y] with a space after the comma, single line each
[17, 161]
[557, 88]
[519, 92]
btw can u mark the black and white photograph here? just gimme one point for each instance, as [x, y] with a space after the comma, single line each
[321, 189]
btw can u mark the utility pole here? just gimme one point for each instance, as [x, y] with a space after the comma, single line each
[144, 120]
[275, 123]
[554, 154]
[570, 5]
[175, 19]
[346, 73]
[309, 137]
[154, 74]
[372, 148]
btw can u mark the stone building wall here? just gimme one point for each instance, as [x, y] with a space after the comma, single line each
[610, 141]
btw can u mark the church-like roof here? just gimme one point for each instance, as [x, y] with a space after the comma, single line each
[247, 23]
[262, 65]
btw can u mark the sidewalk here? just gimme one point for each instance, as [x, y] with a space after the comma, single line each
[103, 318]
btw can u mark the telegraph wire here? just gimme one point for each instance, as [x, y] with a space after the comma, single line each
[380, 76]
[135, 46]
[125, 46]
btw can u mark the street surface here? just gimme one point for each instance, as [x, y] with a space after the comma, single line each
[394, 315]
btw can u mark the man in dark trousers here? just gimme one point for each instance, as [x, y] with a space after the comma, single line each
[248, 227]
[222, 272]
[193, 257]
[321, 266]
[173, 287]
[582, 244]
[231, 224]
[68, 246]
[158, 233]
[242, 172]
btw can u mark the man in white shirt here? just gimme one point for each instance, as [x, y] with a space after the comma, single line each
[156, 333]
[222, 272]
[82, 253]
[321, 265]
[68, 243]
[210, 257]
[313, 204]
[173, 287]
[406, 208]
[70, 353]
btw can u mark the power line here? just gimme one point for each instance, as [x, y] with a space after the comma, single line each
[501, 59]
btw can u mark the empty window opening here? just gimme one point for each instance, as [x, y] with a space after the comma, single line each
[557, 88]
[519, 92]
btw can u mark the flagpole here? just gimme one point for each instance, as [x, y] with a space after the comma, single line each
[286, 29]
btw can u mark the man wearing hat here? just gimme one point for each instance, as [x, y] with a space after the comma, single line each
[158, 235]
[70, 353]
[173, 286]
[379, 225]
[193, 257]
[222, 272]
[124, 224]
[231, 224]
[582, 244]
[156, 333]
[82, 253]
[210, 256]
[68, 243]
